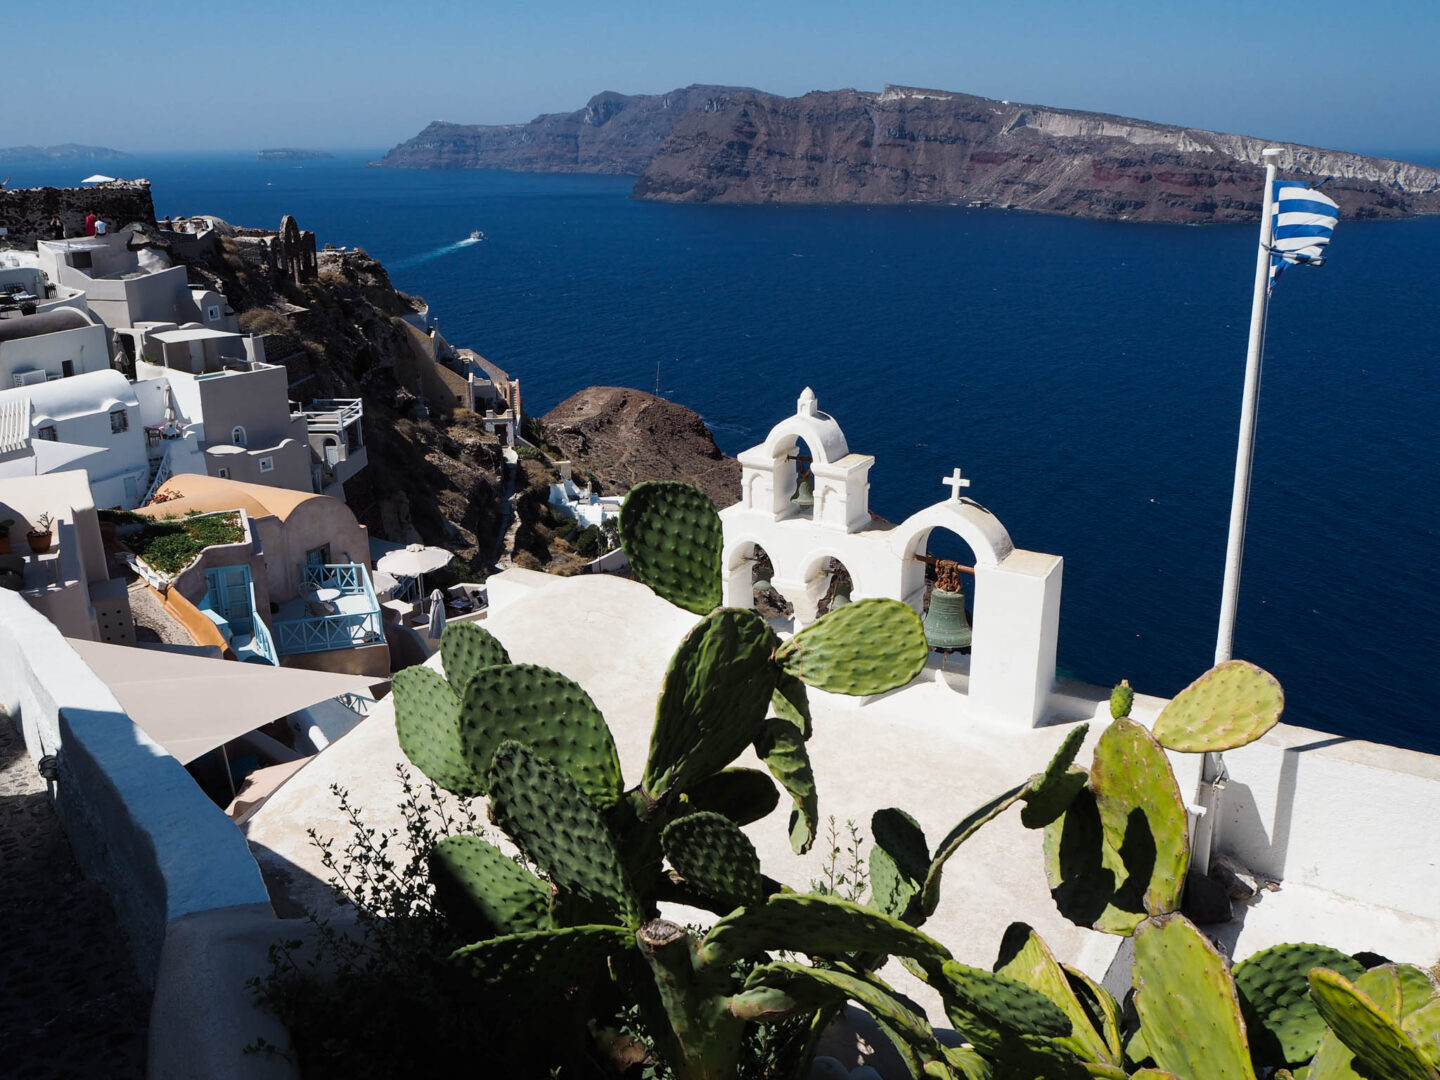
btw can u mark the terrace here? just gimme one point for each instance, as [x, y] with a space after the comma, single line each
[336, 609]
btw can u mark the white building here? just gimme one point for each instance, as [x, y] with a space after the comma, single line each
[581, 504]
[99, 411]
[52, 344]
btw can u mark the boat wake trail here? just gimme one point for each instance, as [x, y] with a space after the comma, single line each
[416, 260]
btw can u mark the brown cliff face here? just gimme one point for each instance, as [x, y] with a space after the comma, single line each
[614, 133]
[926, 146]
[625, 436]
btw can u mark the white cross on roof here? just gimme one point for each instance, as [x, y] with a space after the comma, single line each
[955, 483]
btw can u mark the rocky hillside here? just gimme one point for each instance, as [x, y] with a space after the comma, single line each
[626, 436]
[614, 133]
[928, 146]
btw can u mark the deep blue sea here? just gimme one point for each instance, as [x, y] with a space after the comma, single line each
[1087, 376]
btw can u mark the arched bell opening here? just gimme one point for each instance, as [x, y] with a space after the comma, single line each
[750, 582]
[948, 599]
[830, 580]
[794, 477]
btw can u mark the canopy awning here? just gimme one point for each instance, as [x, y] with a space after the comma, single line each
[192, 704]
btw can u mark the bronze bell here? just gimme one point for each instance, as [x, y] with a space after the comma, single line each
[947, 627]
[840, 597]
[804, 496]
[761, 585]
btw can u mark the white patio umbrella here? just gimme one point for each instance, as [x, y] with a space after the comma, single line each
[98, 178]
[414, 561]
[437, 615]
[384, 585]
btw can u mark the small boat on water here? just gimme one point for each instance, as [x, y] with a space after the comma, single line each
[477, 235]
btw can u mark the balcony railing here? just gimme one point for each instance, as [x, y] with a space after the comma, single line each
[333, 414]
[355, 622]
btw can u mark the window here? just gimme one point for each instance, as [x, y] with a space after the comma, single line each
[47, 433]
[81, 260]
[237, 435]
[212, 313]
[67, 368]
[267, 464]
[223, 473]
[119, 421]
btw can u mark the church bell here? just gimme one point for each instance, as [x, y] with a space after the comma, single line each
[804, 496]
[840, 597]
[946, 625]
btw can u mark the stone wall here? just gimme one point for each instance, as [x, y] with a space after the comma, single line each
[27, 212]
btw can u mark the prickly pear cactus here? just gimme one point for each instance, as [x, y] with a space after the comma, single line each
[465, 648]
[427, 723]
[1005, 1000]
[1122, 700]
[782, 748]
[930, 894]
[715, 696]
[483, 891]
[714, 858]
[867, 647]
[553, 822]
[1188, 1008]
[791, 702]
[1284, 1026]
[1232, 704]
[817, 925]
[742, 795]
[542, 961]
[1376, 1039]
[672, 537]
[1142, 816]
[899, 861]
[551, 714]
[1025, 958]
[1049, 794]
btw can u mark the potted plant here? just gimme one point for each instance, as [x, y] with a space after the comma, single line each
[40, 535]
[5, 524]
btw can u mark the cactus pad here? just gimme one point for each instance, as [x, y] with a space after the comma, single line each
[1188, 1009]
[1274, 989]
[930, 896]
[1049, 794]
[782, 748]
[820, 986]
[791, 702]
[559, 828]
[1232, 704]
[1100, 1006]
[483, 891]
[715, 696]
[1423, 1027]
[1006, 1001]
[544, 961]
[867, 647]
[817, 925]
[1025, 958]
[547, 712]
[1122, 700]
[1376, 1039]
[1142, 814]
[672, 537]
[464, 649]
[899, 861]
[742, 795]
[715, 858]
[427, 723]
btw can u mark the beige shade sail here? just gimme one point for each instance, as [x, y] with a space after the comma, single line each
[192, 704]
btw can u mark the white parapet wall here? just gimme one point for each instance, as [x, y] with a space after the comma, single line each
[136, 820]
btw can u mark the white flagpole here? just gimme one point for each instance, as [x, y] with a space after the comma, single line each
[1212, 768]
[1245, 451]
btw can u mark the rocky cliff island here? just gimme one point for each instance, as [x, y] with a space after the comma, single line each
[905, 145]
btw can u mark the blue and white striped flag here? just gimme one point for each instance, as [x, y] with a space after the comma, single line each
[1302, 225]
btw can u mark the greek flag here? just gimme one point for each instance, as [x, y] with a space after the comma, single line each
[1302, 224]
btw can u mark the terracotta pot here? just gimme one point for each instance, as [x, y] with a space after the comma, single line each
[39, 541]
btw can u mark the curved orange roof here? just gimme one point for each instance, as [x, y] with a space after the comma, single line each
[211, 493]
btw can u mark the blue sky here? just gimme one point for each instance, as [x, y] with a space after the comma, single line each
[364, 74]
